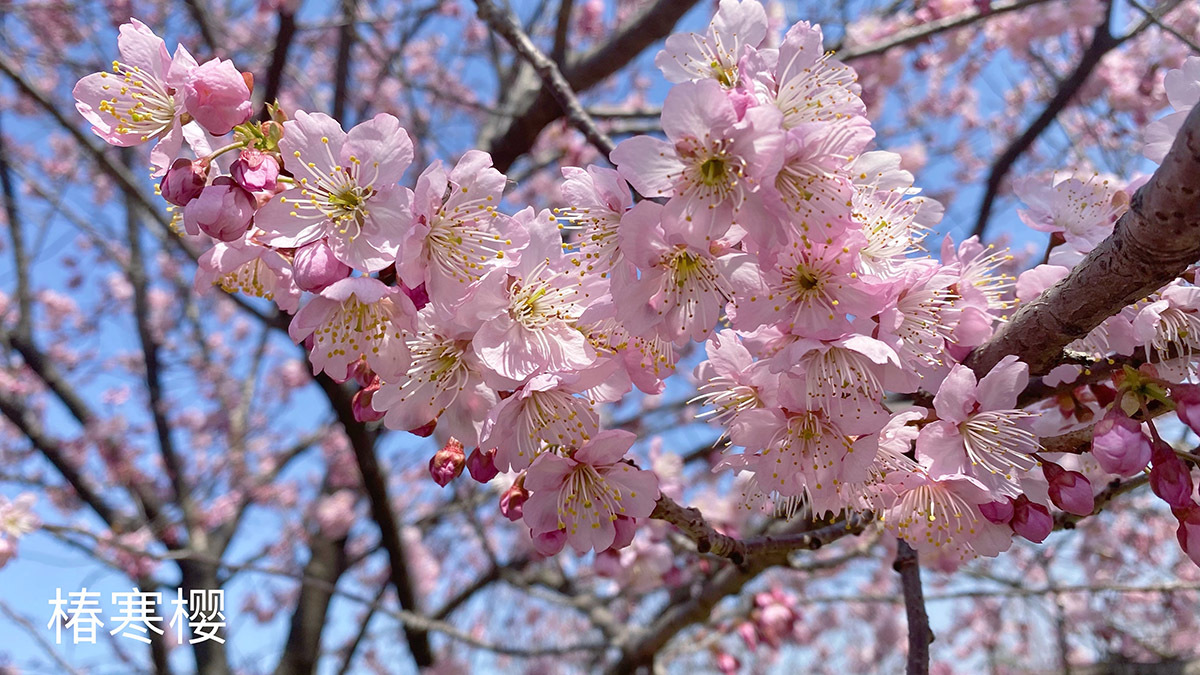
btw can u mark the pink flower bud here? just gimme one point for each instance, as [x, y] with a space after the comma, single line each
[728, 664]
[360, 372]
[255, 170]
[998, 512]
[448, 462]
[1031, 520]
[222, 211]
[1189, 531]
[1187, 404]
[183, 182]
[217, 97]
[749, 634]
[626, 527]
[1119, 445]
[1170, 478]
[361, 403]
[314, 268]
[1069, 490]
[418, 295]
[512, 502]
[550, 543]
[482, 465]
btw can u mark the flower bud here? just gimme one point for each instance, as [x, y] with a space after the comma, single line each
[1170, 478]
[1119, 445]
[626, 527]
[216, 96]
[1187, 404]
[183, 182]
[1031, 520]
[222, 211]
[418, 295]
[314, 268]
[550, 543]
[482, 465]
[998, 512]
[512, 502]
[1069, 490]
[361, 403]
[1189, 531]
[728, 664]
[255, 170]
[447, 463]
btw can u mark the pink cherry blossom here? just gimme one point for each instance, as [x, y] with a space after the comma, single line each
[544, 412]
[456, 234]
[346, 189]
[443, 374]
[1183, 91]
[1083, 211]
[684, 285]
[217, 97]
[806, 84]
[536, 307]
[714, 54]
[352, 318]
[138, 101]
[712, 161]
[247, 267]
[585, 493]
[980, 432]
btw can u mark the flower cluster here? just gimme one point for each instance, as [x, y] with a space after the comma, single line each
[770, 229]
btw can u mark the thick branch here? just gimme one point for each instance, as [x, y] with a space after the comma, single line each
[532, 105]
[919, 635]
[1102, 42]
[1153, 243]
[327, 561]
[505, 24]
[283, 42]
[375, 484]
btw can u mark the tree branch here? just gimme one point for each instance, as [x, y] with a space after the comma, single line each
[505, 24]
[375, 484]
[531, 105]
[919, 635]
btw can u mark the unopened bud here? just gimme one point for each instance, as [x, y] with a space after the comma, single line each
[1069, 490]
[512, 502]
[361, 403]
[1000, 512]
[550, 543]
[255, 170]
[482, 465]
[448, 462]
[1189, 531]
[1031, 520]
[1170, 478]
[1187, 404]
[222, 211]
[1119, 445]
[314, 268]
[184, 181]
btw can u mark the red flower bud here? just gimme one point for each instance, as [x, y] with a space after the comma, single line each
[1189, 531]
[1069, 490]
[361, 403]
[1170, 478]
[482, 465]
[447, 463]
[1031, 520]
[184, 181]
[512, 502]
[1187, 404]
[998, 512]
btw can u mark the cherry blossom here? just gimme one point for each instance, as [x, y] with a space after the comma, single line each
[346, 189]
